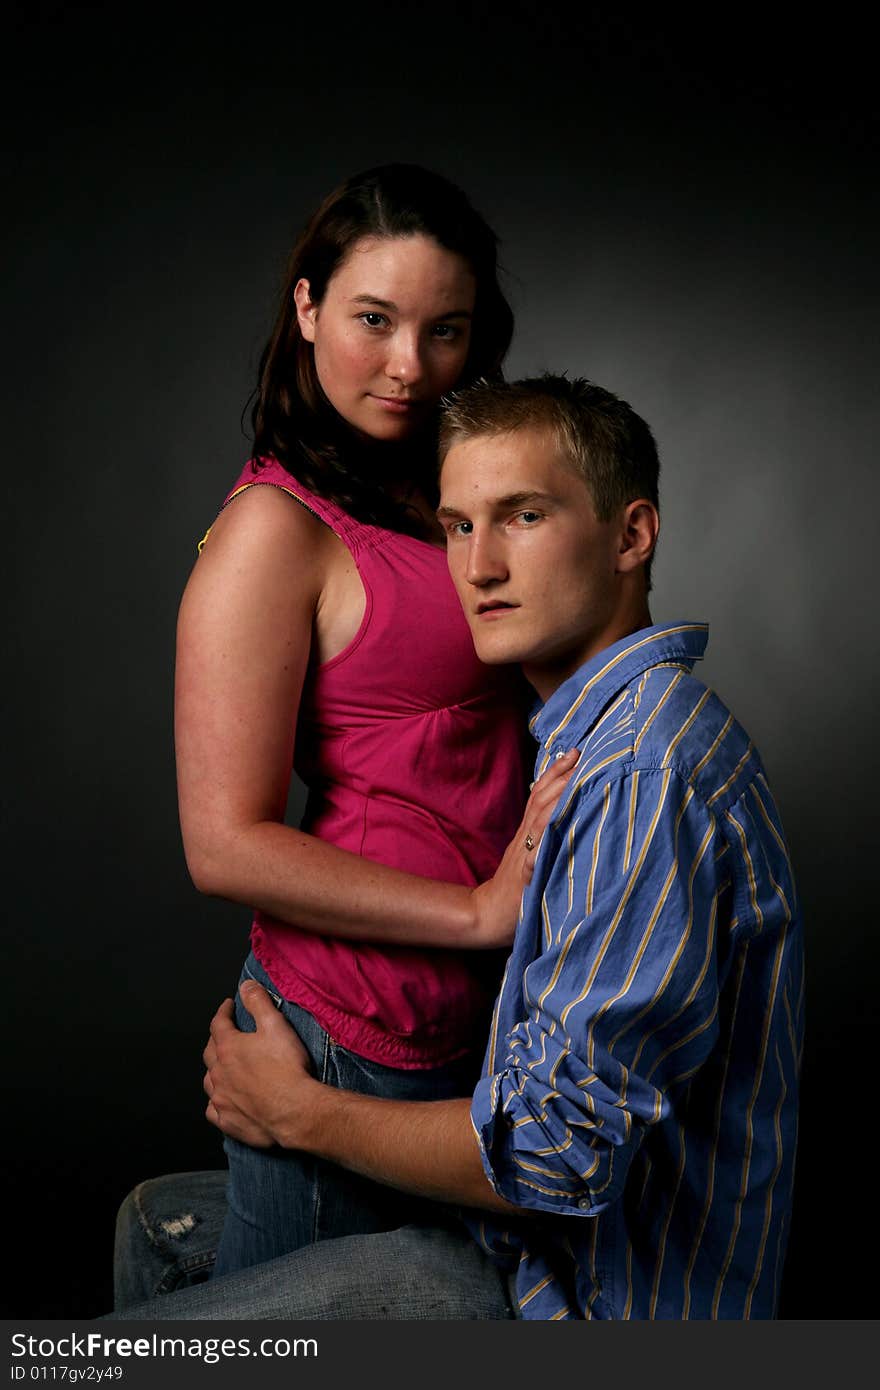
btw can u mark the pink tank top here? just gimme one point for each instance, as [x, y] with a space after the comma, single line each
[414, 756]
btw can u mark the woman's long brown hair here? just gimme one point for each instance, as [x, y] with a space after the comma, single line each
[292, 418]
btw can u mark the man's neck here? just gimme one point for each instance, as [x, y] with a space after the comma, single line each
[548, 678]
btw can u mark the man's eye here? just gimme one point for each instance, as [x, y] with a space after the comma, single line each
[373, 319]
[460, 528]
[528, 518]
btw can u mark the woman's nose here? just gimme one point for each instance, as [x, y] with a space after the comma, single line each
[405, 360]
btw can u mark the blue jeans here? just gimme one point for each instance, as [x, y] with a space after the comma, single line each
[166, 1234]
[280, 1200]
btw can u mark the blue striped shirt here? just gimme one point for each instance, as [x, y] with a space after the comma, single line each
[640, 1085]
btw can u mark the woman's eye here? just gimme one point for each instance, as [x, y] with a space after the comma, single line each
[446, 332]
[373, 319]
[460, 528]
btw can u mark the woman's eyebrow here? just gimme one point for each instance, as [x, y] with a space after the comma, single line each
[389, 304]
[372, 299]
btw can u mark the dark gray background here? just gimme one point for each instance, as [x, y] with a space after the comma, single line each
[686, 218]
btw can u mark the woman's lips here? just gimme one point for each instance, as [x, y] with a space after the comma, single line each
[395, 405]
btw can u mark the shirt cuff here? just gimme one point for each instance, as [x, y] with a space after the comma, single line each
[522, 1159]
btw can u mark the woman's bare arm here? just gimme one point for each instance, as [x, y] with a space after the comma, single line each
[245, 632]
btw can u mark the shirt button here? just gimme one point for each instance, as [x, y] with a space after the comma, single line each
[584, 1204]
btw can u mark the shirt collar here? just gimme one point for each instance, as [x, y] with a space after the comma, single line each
[571, 710]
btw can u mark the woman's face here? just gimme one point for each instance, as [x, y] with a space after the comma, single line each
[392, 332]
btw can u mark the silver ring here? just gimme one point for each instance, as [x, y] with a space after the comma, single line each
[530, 844]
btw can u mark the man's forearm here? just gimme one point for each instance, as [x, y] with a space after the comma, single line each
[261, 1092]
[424, 1147]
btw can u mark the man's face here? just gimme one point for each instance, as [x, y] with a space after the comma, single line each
[535, 570]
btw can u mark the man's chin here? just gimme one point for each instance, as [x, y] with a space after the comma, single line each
[500, 653]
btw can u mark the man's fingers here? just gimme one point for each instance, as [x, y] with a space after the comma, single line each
[238, 1126]
[224, 1019]
[257, 1002]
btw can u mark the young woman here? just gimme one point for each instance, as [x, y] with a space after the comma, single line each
[319, 630]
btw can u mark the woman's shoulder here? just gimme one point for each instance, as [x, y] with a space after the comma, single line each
[268, 475]
[266, 514]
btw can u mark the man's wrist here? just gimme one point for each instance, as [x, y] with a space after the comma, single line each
[302, 1125]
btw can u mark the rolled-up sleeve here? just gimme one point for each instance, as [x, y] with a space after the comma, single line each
[611, 997]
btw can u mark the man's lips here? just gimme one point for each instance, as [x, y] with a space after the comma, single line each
[494, 608]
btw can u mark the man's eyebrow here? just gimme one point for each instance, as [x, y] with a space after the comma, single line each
[513, 499]
[389, 304]
[518, 499]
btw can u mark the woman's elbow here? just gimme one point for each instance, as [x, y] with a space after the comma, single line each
[226, 860]
[205, 867]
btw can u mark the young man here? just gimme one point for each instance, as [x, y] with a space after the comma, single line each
[629, 1150]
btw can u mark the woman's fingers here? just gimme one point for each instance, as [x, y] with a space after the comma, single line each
[497, 901]
[544, 797]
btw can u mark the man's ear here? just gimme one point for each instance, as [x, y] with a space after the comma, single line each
[306, 311]
[639, 529]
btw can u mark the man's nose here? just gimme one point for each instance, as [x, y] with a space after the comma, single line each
[485, 562]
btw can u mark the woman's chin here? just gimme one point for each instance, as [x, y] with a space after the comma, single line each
[390, 431]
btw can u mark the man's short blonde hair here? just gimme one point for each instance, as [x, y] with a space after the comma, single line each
[601, 435]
